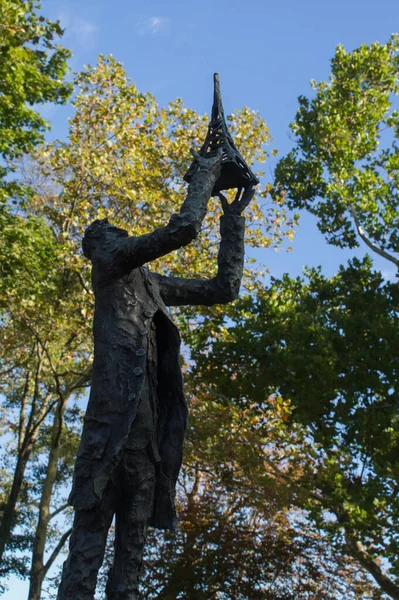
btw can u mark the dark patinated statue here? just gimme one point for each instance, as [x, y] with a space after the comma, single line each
[131, 448]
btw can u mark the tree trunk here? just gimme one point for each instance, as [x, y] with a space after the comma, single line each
[27, 437]
[41, 573]
[38, 568]
[8, 519]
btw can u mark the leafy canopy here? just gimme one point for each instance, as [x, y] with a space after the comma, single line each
[325, 351]
[344, 167]
[32, 71]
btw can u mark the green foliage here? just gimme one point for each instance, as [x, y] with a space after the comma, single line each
[29, 264]
[293, 440]
[345, 162]
[32, 69]
[343, 383]
[329, 348]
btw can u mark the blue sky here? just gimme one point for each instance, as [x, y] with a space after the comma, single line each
[266, 54]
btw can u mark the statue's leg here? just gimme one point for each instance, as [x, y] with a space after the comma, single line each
[132, 515]
[86, 550]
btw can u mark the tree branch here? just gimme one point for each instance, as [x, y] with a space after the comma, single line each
[22, 424]
[357, 550]
[57, 550]
[84, 286]
[59, 510]
[370, 244]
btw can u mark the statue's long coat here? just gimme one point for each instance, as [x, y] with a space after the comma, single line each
[127, 299]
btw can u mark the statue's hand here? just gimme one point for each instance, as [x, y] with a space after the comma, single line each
[239, 204]
[214, 163]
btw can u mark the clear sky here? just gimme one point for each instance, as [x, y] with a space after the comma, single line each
[266, 53]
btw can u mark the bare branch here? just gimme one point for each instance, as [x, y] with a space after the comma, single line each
[57, 550]
[59, 510]
[83, 284]
[370, 244]
[22, 414]
[358, 551]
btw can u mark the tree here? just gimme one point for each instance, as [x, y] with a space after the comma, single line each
[39, 332]
[329, 348]
[32, 71]
[124, 160]
[344, 167]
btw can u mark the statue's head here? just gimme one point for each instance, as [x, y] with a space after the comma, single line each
[98, 233]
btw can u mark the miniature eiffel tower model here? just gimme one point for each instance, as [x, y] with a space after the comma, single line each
[235, 172]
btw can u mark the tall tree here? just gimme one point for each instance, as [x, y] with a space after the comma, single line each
[328, 346]
[32, 71]
[44, 356]
[344, 167]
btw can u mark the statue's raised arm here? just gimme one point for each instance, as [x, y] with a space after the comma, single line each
[224, 287]
[111, 249]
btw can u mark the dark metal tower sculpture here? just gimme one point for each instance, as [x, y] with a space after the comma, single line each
[235, 172]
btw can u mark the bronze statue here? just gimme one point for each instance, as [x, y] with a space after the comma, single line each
[131, 448]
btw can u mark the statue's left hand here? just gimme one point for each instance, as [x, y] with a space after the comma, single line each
[239, 203]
